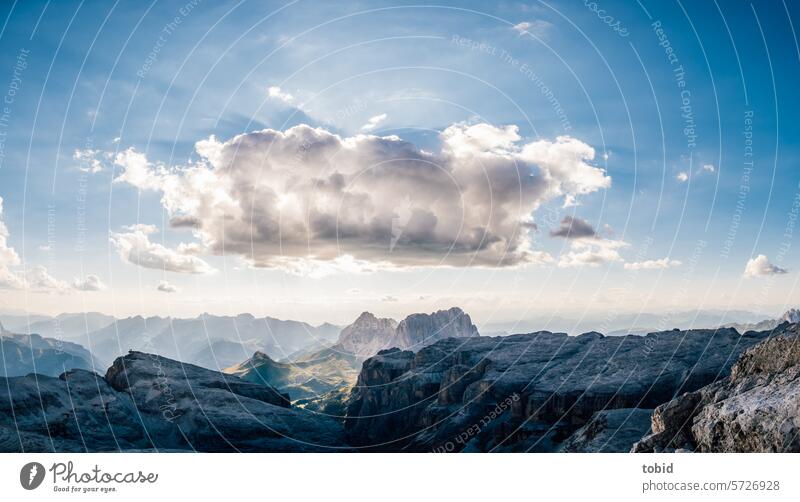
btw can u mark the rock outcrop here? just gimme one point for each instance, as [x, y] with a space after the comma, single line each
[369, 334]
[151, 402]
[756, 409]
[418, 330]
[527, 392]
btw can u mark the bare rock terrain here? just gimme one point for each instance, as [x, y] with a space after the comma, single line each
[755, 409]
[448, 395]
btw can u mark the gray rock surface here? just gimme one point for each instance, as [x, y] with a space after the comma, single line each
[609, 431]
[756, 409]
[150, 402]
[367, 335]
[553, 384]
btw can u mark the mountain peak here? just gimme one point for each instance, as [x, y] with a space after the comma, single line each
[791, 316]
[366, 316]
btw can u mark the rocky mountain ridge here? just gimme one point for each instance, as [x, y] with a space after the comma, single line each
[368, 334]
[755, 409]
[148, 402]
[553, 385]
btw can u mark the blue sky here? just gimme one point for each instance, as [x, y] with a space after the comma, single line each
[596, 71]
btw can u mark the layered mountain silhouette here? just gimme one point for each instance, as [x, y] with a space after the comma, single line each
[322, 379]
[441, 388]
[23, 354]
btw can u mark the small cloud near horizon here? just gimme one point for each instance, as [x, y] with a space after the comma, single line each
[760, 266]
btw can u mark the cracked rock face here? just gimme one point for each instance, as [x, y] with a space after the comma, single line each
[151, 402]
[446, 396]
[756, 409]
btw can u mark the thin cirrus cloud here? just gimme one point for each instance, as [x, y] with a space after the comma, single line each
[760, 266]
[652, 264]
[373, 122]
[291, 199]
[134, 246]
[538, 27]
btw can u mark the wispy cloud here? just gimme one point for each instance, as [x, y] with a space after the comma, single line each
[538, 28]
[373, 122]
[652, 264]
[277, 93]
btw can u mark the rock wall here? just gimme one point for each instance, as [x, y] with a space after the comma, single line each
[446, 396]
[756, 409]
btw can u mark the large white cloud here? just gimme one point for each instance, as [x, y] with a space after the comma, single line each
[134, 246]
[306, 195]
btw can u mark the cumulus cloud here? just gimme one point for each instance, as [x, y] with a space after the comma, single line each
[8, 257]
[573, 228]
[761, 266]
[36, 278]
[166, 287]
[709, 168]
[277, 93]
[305, 196]
[537, 28]
[591, 252]
[682, 176]
[652, 264]
[373, 122]
[134, 247]
[90, 283]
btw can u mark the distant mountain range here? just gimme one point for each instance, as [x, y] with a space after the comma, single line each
[615, 324]
[210, 341]
[712, 390]
[23, 354]
[791, 316]
[322, 379]
[316, 366]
